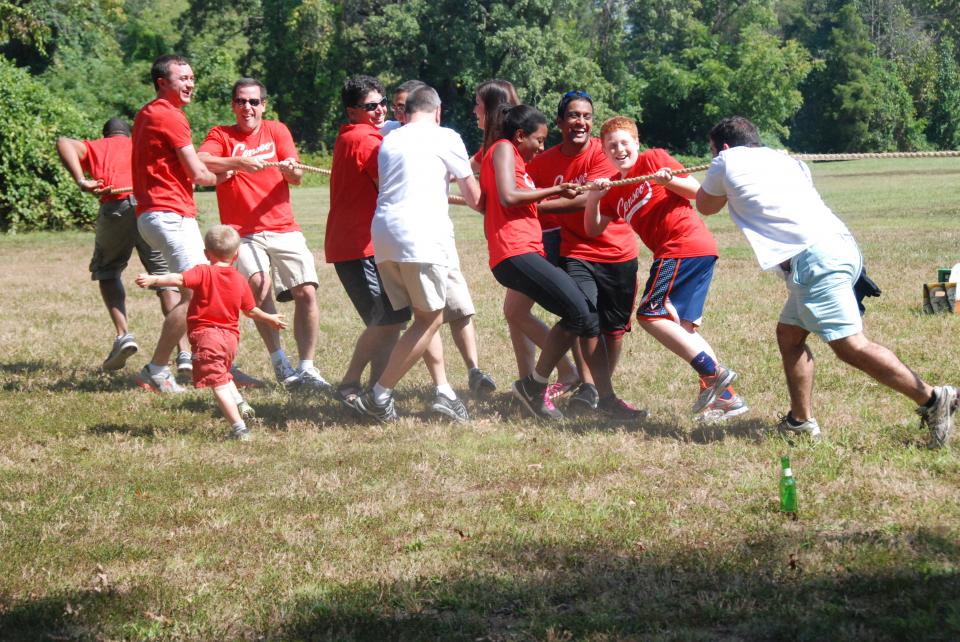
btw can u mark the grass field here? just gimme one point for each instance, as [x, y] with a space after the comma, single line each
[124, 515]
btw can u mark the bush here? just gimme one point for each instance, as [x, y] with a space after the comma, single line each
[36, 193]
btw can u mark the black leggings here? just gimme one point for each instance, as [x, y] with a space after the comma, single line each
[552, 289]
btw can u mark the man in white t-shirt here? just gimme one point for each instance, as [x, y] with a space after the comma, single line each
[771, 198]
[413, 242]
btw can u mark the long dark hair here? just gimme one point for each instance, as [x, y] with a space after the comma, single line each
[494, 95]
[522, 118]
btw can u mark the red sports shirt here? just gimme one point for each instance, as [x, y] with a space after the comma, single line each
[219, 294]
[510, 231]
[108, 160]
[254, 202]
[353, 193]
[617, 243]
[159, 180]
[665, 222]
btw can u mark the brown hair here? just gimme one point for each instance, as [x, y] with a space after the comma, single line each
[494, 95]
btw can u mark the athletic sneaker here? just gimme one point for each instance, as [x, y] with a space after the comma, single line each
[184, 362]
[240, 434]
[809, 427]
[286, 375]
[242, 380]
[450, 408]
[480, 383]
[584, 400]
[162, 382]
[617, 408]
[310, 379]
[533, 396]
[715, 385]
[347, 393]
[558, 389]
[246, 410]
[385, 413]
[722, 409]
[939, 417]
[124, 347]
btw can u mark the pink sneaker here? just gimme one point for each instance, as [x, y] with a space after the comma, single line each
[558, 389]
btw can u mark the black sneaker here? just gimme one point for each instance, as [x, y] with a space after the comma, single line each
[584, 400]
[617, 408]
[534, 398]
[366, 405]
[480, 383]
[347, 393]
[450, 408]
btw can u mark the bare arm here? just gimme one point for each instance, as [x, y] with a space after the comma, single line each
[194, 167]
[72, 152]
[685, 187]
[563, 205]
[504, 169]
[276, 320]
[224, 164]
[708, 204]
[470, 189]
[173, 279]
[593, 222]
[291, 174]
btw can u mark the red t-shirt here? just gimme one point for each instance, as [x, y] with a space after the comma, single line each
[664, 221]
[254, 202]
[510, 231]
[617, 242]
[353, 193]
[219, 293]
[108, 160]
[159, 180]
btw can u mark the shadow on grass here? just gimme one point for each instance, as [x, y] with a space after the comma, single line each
[137, 430]
[29, 376]
[550, 591]
[752, 429]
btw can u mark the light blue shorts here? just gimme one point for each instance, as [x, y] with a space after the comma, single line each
[176, 237]
[820, 286]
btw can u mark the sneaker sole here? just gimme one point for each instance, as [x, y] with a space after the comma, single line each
[448, 413]
[119, 360]
[716, 416]
[146, 386]
[716, 389]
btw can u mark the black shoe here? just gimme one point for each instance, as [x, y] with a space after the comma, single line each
[584, 400]
[450, 408]
[480, 383]
[384, 413]
[533, 397]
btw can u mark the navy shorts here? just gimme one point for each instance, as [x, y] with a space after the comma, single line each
[361, 280]
[677, 287]
[610, 287]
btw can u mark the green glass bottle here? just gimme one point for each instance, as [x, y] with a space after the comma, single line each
[788, 488]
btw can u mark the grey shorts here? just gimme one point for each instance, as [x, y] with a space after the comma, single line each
[116, 237]
[176, 237]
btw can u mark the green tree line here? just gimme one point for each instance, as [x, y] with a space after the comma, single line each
[815, 75]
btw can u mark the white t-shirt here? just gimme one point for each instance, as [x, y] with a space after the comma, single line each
[389, 126]
[771, 198]
[412, 221]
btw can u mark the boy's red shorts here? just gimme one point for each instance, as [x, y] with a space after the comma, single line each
[213, 352]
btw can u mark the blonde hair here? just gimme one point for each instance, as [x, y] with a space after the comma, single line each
[628, 125]
[222, 241]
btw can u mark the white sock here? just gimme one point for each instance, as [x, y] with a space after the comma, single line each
[278, 357]
[381, 394]
[446, 391]
[304, 364]
[537, 377]
[240, 425]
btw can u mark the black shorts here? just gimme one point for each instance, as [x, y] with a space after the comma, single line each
[610, 287]
[361, 280]
[551, 245]
[552, 289]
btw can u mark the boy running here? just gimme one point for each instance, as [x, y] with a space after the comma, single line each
[219, 294]
[684, 254]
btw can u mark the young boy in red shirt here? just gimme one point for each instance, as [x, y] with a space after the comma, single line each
[220, 293]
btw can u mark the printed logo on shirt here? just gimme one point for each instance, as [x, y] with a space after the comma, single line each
[629, 206]
[579, 180]
[528, 181]
[263, 152]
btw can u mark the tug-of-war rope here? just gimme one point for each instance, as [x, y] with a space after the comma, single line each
[459, 200]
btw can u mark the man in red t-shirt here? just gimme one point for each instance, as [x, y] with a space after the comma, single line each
[165, 168]
[107, 161]
[255, 201]
[348, 244]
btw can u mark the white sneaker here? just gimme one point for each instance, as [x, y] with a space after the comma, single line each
[310, 378]
[939, 417]
[123, 348]
[162, 382]
[810, 427]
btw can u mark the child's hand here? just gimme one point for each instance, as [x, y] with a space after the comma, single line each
[144, 280]
[277, 321]
[663, 176]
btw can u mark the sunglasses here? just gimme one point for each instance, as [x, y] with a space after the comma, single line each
[372, 106]
[254, 102]
[576, 93]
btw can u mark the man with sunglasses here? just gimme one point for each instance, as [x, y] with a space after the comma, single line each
[255, 200]
[348, 245]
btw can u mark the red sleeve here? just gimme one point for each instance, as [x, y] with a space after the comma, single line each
[600, 166]
[85, 161]
[193, 277]
[214, 143]
[661, 158]
[285, 146]
[177, 129]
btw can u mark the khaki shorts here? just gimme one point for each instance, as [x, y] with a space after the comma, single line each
[116, 238]
[459, 304]
[284, 255]
[419, 285]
